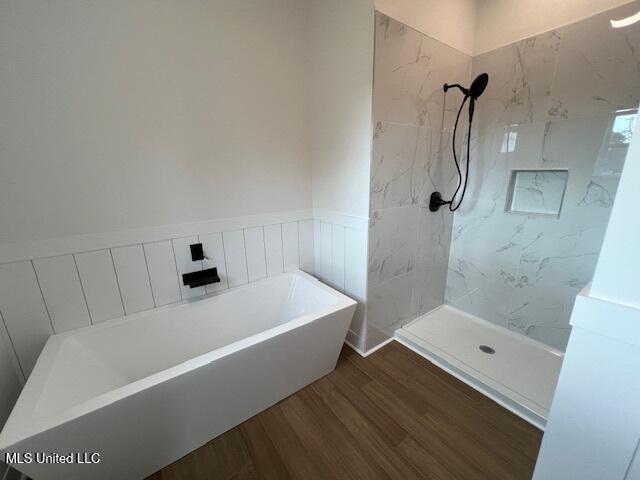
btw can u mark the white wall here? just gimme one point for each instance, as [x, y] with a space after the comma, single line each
[451, 22]
[341, 82]
[129, 130]
[341, 76]
[501, 22]
[119, 114]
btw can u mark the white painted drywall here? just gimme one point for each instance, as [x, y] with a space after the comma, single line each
[118, 114]
[451, 21]
[501, 22]
[120, 122]
[341, 80]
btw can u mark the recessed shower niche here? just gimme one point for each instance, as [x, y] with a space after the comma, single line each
[537, 192]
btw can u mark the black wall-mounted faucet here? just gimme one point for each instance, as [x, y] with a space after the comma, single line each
[201, 277]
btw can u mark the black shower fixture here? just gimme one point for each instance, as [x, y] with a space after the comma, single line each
[472, 93]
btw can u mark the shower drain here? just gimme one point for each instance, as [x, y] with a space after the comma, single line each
[487, 349]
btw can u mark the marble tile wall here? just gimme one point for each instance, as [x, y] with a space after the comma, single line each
[561, 100]
[408, 245]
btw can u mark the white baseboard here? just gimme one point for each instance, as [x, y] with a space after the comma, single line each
[371, 350]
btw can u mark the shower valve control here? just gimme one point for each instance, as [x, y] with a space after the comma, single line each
[436, 201]
[197, 252]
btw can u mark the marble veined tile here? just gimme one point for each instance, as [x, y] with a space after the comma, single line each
[389, 304]
[410, 71]
[523, 145]
[488, 235]
[538, 191]
[400, 153]
[577, 144]
[542, 312]
[598, 66]
[499, 151]
[440, 174]
[434, 235]
[429, 286]
[489, 167]
[562, 250]
[479, 289]
[392, 242]
[520, 79]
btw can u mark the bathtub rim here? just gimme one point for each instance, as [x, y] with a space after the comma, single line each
[22, 424]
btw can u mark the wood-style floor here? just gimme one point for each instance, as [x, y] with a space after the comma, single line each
[390, 415]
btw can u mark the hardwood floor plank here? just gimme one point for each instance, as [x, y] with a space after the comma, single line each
[448, 458]
[265, 456]
[354, 461]
[383, 453]
[229, 454]
[387, 427]
[297, 460]
[391, 415]
[457, 412]
[442, 419]
[512, 425]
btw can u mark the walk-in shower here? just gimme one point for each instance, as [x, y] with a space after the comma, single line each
[502, 268]
[472, 93]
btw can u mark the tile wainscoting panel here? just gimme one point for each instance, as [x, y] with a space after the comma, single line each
[306, 239]
[62, 292]
[24, 312]
[184, 264]
[133, 278]
[49, 295]
[213, 248]
[342, 244]
[236, 257]
[291, 257]
[100, 285]
[256, 263]
[273, 247]
[163, 272]
[337, 257]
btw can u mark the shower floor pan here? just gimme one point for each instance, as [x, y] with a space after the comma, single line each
[515, 371]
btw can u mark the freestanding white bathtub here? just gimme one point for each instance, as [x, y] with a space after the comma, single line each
[145, 390]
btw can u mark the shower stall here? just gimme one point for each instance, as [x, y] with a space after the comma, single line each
[487, 291]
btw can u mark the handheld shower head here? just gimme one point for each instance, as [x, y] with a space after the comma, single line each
[471, 94]
[478, 85]
[475, 90]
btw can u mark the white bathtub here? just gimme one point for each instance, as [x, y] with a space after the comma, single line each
[145, 390]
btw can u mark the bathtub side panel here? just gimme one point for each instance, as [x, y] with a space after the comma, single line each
[142, 433]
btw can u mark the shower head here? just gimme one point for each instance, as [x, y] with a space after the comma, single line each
[478, 86]
[476, 89]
